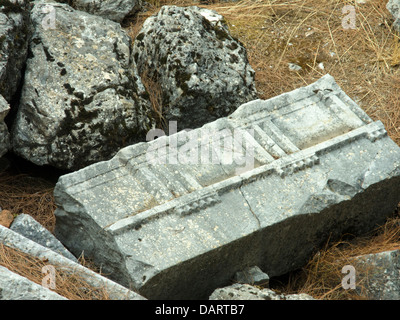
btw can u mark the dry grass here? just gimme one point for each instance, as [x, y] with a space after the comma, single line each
[322, 276]
[68, 283]
[364, 61]
[25, 194]
[153, 87]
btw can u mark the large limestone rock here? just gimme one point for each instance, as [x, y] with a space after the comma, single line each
[14, 34]
[177, 217]
[115, 10]
[82, 100]
[203, 71]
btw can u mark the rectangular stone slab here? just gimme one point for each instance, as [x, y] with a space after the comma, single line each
[265, 186]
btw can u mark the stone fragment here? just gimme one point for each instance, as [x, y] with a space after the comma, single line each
[25, 225]
[177, 217]
[253, 276]
[247, 292]
[294, 67]
[4, 134]
[394, 8]
[16, 287]
[82, 99]
[203, 71]
[115, 10]
[14, 35]
[6, 218]
[380, 275]
[25, 245]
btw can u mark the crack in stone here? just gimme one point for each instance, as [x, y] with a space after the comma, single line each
[251, 210]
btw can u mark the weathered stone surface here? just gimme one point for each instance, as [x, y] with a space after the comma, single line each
[247, 292]
[25, 225]
[14, 34]
[394, 8]
[252, 275]
[115, 10]
[81, 100]
[286, 174]
[203, 72]
[16, 287]
[4, 134]
[380, 275]
[23, 244]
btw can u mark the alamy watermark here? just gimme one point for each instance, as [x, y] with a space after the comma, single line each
[49, 20]
[202, 146]
[349, 20]
[349, 280]
[49, 280]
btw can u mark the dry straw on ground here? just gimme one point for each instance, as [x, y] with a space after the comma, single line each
[154, 87]
[68, 283]
[30, 195]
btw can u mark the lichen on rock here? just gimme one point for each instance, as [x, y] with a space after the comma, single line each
[82, 100]
[203, 71]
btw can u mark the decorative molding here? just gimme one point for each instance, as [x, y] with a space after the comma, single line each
[202, 203]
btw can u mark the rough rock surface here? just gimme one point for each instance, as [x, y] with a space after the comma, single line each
[16, 287]
[252, 276]
[247, 292]
[115, 10]
[25, 225]
[380, 275]
[4, 134]
[320, 168]
[203, 72]
[14, 34]
[394, 8]
[81, 100]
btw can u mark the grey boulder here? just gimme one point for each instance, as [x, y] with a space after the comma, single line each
[81, 100]
[202, 70]
[115, 10]
[14, 33]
